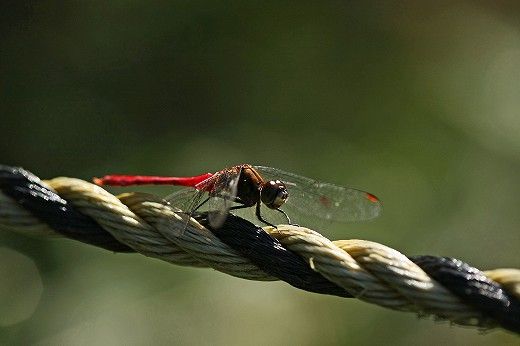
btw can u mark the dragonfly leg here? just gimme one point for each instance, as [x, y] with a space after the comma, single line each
[235, 207]
[200, 205]
[191, 212]
[286, 216]
[259, 216]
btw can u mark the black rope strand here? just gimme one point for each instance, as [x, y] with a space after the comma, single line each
[474, 288]
[269, 254]
[44, 203]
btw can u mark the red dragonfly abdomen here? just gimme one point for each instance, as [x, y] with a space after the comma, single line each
[126, 180]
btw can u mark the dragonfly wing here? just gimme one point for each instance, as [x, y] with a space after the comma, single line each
[193, 198]
[187, 199]
[323, 200]
[222, 196]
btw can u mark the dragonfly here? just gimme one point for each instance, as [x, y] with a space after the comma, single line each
[286, 197]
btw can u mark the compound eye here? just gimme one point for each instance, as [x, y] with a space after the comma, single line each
[274, 194]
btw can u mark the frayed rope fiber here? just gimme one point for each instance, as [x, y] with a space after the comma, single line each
[444, 287]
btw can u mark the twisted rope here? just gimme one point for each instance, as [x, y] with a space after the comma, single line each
[134, 222]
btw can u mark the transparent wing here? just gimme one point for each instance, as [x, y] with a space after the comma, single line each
[328, 202]
[220, 191]
[222, 196]
[193, 198]
[187, 199]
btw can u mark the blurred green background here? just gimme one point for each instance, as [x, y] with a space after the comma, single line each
[417, 103]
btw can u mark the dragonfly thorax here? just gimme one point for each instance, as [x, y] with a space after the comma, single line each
[273, 194]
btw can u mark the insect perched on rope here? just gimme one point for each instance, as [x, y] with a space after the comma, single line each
[289, 196]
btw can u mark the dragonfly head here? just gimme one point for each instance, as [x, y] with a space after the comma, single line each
[273, 194]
